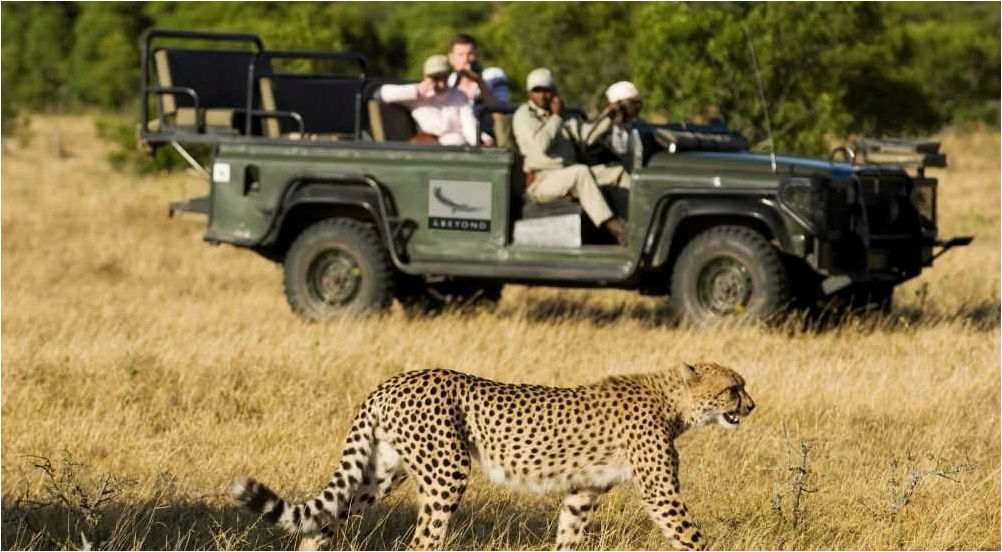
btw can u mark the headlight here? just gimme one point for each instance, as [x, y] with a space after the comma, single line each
[924, 199]
[807, 200]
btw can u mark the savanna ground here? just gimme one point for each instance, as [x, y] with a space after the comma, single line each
[144, 371]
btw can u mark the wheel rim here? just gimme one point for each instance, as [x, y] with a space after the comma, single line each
[335, 278]
[725, 286]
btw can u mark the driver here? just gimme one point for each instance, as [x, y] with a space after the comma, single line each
[552, 168]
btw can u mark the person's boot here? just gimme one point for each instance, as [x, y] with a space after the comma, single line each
[617, 227]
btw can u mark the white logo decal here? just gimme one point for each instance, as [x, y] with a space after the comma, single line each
[221, 172]
[459, 205]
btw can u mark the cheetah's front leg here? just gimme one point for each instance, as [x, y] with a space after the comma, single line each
[574, 514]
[659, 488]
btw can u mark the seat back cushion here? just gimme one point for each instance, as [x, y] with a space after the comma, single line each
[218, 76]
[327, 104]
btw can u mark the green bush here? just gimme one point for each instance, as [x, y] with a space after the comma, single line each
[126, 155]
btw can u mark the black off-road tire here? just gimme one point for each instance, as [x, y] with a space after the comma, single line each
[337, 266]
[729, 272]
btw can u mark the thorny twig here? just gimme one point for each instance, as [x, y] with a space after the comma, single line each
[899, 494]
[798, 481]
[65, 485]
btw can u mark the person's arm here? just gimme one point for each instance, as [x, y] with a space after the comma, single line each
[486, 93]
[395, 93]
[533, 135]
[595, 130]
[469, 122]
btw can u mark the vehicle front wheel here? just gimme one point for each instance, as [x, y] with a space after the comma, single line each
[729, 272]
[337, 266]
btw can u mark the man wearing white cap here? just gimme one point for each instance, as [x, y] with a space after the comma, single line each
[624, 106]
[546, 140]
[443, 114]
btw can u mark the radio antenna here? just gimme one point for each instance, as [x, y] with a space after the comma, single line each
[761, 97]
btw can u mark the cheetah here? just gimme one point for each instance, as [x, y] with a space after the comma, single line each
[430, 425]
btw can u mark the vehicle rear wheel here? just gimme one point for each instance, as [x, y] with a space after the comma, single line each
[337, 266]
[729, 272]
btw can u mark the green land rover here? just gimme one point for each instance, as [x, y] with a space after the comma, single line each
[311, 172]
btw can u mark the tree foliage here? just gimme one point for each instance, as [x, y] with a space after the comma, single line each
[36, 40]
[826, 69]
[823, 69]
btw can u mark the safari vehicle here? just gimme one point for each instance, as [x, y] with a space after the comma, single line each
[309, 171]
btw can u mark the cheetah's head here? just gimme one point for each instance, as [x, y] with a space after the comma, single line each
[716, 394]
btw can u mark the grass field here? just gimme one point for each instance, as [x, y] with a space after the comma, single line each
[144, 370]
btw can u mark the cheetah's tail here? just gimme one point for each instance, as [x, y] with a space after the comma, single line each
[259, 499]
[331, 505]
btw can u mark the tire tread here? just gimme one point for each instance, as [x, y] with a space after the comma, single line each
[778, 290]
[370, 246]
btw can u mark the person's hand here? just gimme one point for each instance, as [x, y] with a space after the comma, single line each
[426, 87]
[468, 73]
[619, 111]
[609, 111]
[556, 105]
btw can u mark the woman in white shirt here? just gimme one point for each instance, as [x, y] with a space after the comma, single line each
[441, 112]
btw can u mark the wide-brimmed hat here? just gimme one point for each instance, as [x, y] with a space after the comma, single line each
[540, 78]
[436, 65]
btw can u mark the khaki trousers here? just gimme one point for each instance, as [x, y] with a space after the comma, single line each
[582, 183]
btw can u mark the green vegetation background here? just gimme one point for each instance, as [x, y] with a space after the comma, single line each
[828, 69]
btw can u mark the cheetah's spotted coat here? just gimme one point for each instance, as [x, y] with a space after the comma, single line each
[429, 425]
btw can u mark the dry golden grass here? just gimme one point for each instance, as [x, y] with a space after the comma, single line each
[139, 360]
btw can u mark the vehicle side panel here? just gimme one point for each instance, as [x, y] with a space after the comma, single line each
[457, 198]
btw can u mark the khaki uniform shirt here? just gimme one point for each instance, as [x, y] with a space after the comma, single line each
[546, 141]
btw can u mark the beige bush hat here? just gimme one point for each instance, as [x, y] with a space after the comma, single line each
[622, 90]
[436, 65]
[540, 78]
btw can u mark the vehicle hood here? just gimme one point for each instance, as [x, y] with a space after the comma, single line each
[731, 162]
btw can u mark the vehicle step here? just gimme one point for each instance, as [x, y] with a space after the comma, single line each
[199, 205]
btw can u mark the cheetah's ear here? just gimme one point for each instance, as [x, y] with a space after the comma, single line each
[688, 372]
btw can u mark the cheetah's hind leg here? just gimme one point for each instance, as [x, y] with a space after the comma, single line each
[574, 516]
[384, 473]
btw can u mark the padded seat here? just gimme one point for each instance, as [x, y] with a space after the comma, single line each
[504, 136]
[390, 122]
[326, 105]
[217, 77]
[617, 198]
[563, 223]
[564, 206]
[387, 122]
[217, 120]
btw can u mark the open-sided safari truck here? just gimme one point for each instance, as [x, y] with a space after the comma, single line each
[309, 171]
